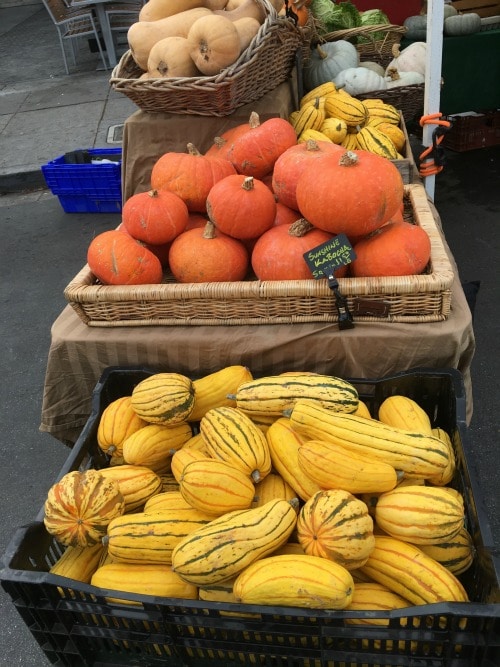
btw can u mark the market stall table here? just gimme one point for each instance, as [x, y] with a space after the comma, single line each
[78, 354]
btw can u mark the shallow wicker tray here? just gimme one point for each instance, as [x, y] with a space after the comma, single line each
[419, 298]
[267, 62]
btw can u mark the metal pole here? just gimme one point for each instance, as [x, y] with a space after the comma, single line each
[435, 19]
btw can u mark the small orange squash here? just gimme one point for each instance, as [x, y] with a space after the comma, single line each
[204, 255]
[278, 253]
[354, 193]
[155, 217]
[241, 206]
[255, 152]
[115, 258]
[395, 249]
[190, 175]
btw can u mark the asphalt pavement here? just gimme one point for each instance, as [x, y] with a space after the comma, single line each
[43, 114]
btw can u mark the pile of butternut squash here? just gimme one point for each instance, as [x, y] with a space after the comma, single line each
[192, 38]
[229, 481]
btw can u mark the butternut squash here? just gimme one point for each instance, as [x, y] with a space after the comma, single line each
[247, 8]
[143, 34]
[155, 10]
[214, 43]
[247, 28]
[170, 57]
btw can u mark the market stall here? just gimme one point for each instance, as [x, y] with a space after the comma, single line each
[355, 409]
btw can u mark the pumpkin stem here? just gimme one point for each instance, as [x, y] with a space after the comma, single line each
[312, 145]
[192, 150]
[153, 193]
[321, 52]
[393, 74]
[348, 159]
[396, 51]
[209, 230]
[300, 227]
[248, 183]
[254, 120]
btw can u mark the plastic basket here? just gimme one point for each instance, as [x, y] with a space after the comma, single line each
[76, 625]
[64, 177]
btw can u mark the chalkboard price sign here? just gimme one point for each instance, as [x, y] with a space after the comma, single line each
[324, 259]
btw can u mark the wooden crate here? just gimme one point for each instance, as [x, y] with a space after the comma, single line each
[482, 7]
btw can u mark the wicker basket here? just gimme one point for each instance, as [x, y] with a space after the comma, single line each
[267, 62]
[368, 46]
[408, 99]
[419, 298]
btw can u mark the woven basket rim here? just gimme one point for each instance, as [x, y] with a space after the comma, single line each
[83, 288]
[272, 22]
[365, 31]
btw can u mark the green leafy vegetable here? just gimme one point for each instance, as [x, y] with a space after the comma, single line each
[333, 17]
[373, 17]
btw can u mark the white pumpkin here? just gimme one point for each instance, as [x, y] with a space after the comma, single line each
[375, 67]
[327, 60]
[359, 80]
[395, 78]
[410, 59]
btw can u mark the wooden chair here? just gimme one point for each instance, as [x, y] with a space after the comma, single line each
[72, 24]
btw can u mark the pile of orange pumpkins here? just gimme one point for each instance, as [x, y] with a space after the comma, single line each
[252, 205]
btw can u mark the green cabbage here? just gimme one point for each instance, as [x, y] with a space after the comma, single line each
[373, 17]
[333, 17]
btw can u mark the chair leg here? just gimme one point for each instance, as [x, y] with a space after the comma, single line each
[101, 52]
[61, 42]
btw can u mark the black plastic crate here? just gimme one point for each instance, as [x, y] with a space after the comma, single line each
[75, 625]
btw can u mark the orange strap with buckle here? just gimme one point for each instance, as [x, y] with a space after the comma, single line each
[432, 158]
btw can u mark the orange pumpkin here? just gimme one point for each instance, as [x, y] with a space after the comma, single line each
[155, 217]
[290, 165]
[223, 143]
[190, 175]
[196, 220]
[355, 193]
[205, 255]
[255, 152]
[285, 215]
[115, 258]
[241, 206]
[396, 249]
[278, 254]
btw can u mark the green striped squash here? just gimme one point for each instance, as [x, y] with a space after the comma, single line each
[336, 525]
[276, 394]
[456, 554]
[343, 106]
[164, 398]
[417, 454]
[231, 542]
[373, 140]
[150, 537]
[420, 514]
[216, 487]
[230, 435]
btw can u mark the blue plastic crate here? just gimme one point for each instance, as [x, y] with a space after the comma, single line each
[90, 204]
[64, 177]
